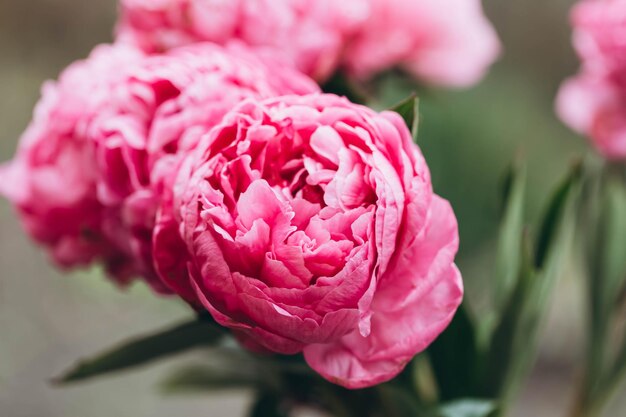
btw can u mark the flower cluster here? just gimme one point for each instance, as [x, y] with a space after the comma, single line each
[196, 154]
[594, 101]
[447, 42]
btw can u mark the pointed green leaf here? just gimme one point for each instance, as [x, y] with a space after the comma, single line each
[508, 255]
[409, 110]
[452, 355]
[146, 349]
[205, 378]
[513, 346]
[468, 408]
[554, 216]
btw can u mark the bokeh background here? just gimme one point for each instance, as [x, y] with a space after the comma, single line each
[49, 319]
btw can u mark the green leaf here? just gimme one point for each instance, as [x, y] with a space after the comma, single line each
[554, 216]
[399, 402]
[468, 408]
[509, 249]
[269, 404]
[205, 378]
[342, 85]
[513, 346]
[453, 356]
[145, 349]
[409, 110]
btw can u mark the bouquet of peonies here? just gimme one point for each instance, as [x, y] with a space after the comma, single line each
[223, 153]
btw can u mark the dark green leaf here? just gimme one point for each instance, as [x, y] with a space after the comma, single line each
[513, 346]
[268, 404]
[453, 355]
[409, 110]
[146, 349]
[468, 408]
[509, 250]
[204, 378]
[341, 85]
[553, 216]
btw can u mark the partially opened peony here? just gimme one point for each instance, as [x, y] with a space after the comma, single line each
[446, 42]
[309, 224]
[94, 163]
[52, 179]
[594, 102]
[311, 34]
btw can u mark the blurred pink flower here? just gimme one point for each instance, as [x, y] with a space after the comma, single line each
[595, 107]
[94, 162]
[311, 34]
[594, 102]
[309, 224]
[447, 42]
[52, 179]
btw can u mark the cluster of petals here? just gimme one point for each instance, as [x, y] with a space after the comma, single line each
[594, 101]
[446, 42]
[308, 224]
[91, 167]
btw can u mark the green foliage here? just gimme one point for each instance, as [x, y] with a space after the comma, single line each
[341, 85]
[513, 345]
[146, 349]
[409, 110]
[454, 357]
[603, 236]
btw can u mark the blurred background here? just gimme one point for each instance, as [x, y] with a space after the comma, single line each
[48, 319]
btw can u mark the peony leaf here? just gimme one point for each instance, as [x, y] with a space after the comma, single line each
[513, 344]
[146, 349]
[205, 378]
[453, 355]
[468, 408]
[554, 218]
[342, 85]
[409, 110]
[508, 255]
[269, 404]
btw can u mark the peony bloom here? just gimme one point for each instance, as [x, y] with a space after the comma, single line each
[308, 224]
[52, 179]
[95, 161]
[599, 26]
[311, 34]
[597, 108]
[447, 42]
[594, 102]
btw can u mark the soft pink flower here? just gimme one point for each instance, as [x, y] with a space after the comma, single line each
[52, 179]
[308, 224]
[446, 42]
[309, 33]
[599, 28]
[594, 102]
[595, 107]
[98, 156]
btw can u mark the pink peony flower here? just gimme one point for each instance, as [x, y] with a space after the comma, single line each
[308, 224]
[310, 34]
[446, 42]
[599, 27]
[592, 106]
[594, 102]
[95, 161]
[52, 179]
